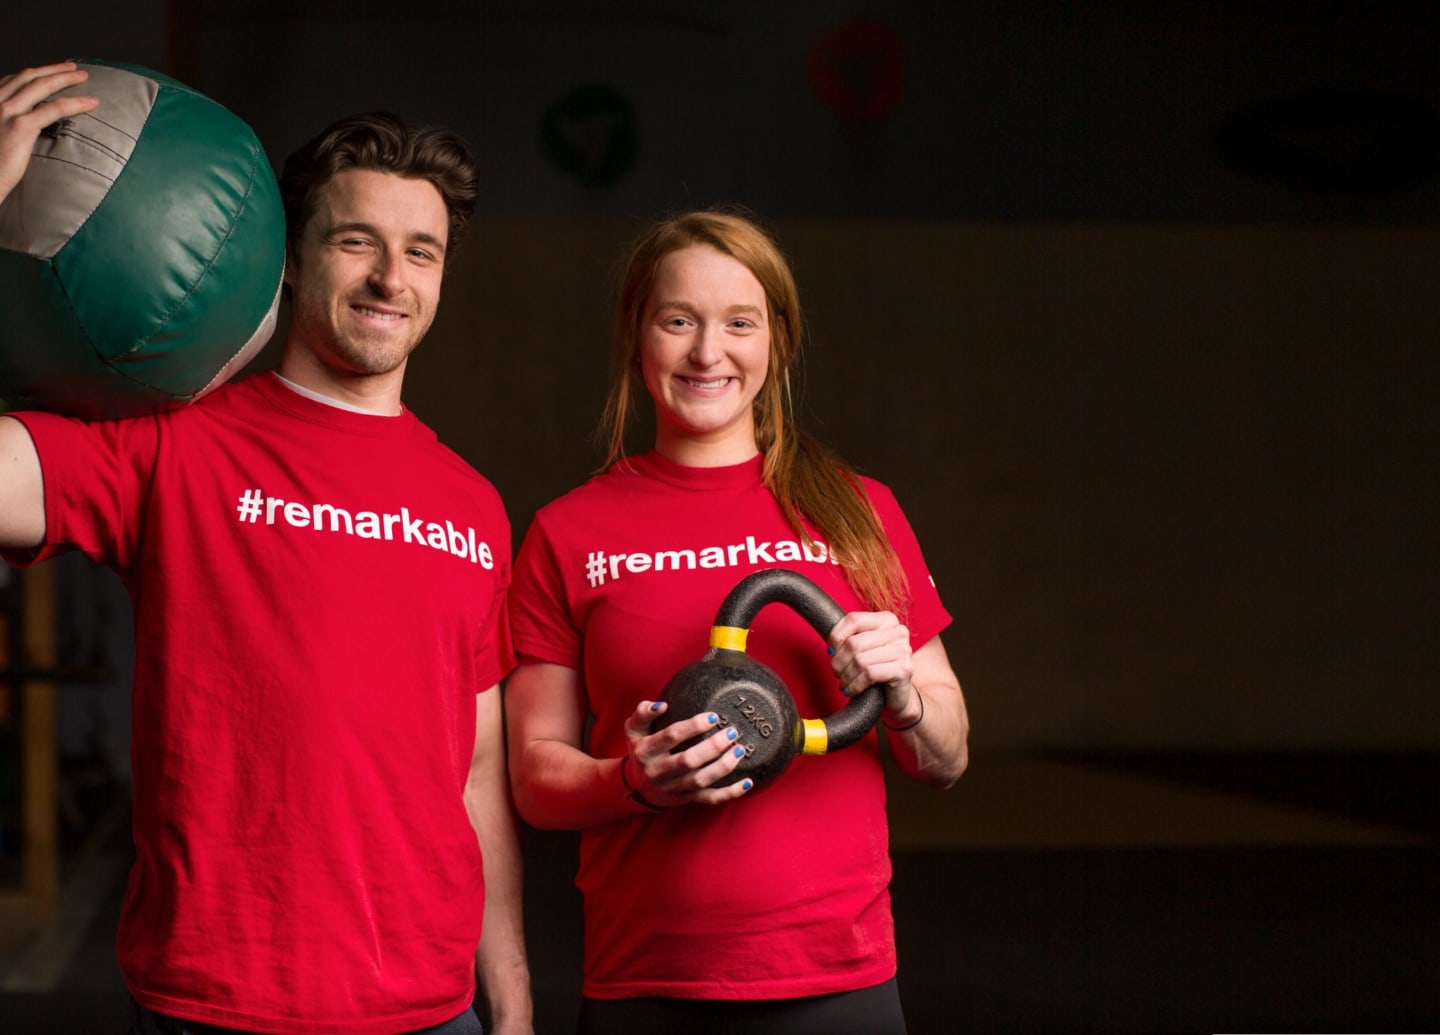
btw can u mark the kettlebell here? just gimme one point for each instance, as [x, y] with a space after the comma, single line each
[749, 696]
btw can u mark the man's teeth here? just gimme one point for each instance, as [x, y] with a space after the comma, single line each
[376, 315]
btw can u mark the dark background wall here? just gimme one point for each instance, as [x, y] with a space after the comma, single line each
[1133, 305]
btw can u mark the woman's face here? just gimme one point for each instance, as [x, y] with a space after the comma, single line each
[704, 352]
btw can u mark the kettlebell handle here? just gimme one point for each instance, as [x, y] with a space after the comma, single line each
[805, 598]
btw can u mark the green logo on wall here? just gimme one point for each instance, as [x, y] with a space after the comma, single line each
[590, 134]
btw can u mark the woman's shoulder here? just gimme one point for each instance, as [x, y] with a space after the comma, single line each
[879, 493]
[646, 479]
[599, 494]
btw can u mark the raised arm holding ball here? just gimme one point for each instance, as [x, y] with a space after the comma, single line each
[321, 815]
[27, 106]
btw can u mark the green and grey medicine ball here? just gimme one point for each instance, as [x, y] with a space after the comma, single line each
[140, 256]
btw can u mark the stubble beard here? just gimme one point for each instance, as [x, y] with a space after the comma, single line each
[357, 354]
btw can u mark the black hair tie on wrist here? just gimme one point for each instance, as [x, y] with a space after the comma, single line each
[902, 729]
[634, 795]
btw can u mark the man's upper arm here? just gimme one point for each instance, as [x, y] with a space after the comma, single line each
[22, 488]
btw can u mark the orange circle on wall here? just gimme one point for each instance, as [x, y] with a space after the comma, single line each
[858, 70]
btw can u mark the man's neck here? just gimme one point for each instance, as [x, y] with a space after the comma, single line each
[317, 397]
[370, 393]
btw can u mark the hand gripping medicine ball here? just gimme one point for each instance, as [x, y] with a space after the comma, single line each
[140, 255]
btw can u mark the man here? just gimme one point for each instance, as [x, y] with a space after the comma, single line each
[319, 595]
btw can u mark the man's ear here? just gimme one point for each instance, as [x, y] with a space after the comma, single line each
[287, 278]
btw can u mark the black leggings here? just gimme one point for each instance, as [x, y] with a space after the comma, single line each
[867, 1011]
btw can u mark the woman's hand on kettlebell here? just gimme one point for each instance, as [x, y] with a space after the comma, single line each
[872, 647]
[667, 779]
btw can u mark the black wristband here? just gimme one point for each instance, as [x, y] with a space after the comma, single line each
[911, 726]
[634, 795]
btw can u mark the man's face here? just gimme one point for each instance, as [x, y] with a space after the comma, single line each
[365, 277]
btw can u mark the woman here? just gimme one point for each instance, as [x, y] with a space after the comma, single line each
[711, 907]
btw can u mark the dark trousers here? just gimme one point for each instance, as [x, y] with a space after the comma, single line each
[140, 1021]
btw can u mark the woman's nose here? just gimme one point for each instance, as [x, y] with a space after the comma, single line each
[705, 350]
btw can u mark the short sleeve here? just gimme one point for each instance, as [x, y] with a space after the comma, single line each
[926, 615]
[541, 621]
[96, 476]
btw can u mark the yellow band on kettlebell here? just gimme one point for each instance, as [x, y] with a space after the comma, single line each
[728, 637]
[817, 738]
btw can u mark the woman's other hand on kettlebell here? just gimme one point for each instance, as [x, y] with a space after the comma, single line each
[668, 777]
[870, 647]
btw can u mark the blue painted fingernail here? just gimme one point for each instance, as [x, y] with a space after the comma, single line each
[731, 734]
[714, 718]
[739, 752]
[746, 785]
[657, 706]
[831, 651]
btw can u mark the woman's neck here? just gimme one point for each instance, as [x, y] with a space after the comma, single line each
[698, 452]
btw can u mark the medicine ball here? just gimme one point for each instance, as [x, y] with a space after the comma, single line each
[140, 255]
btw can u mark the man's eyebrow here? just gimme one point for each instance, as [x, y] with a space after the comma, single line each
[349, 228]
[430, 239]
